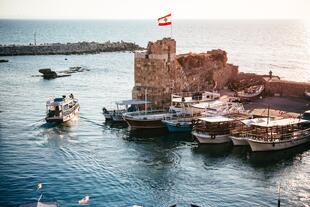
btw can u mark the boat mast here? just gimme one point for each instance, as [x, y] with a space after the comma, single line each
[145, 99]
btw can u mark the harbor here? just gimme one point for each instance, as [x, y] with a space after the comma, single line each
[86, 138]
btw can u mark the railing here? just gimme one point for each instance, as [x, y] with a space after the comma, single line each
[278, 136]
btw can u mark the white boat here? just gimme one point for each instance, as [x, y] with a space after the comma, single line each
[279, 134]
[150, 119]
[218, 108]
[181, 103]
[121, 108]
[251, 92]
[213, 130]
[61, 109]
[240, 134]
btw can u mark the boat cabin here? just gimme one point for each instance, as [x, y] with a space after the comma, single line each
[278, 129]
[61, 109]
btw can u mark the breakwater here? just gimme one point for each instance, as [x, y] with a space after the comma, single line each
[67, 48]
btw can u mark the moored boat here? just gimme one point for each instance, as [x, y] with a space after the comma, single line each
[213, 130]
[181, 103]
[179, 124]
[121, 108]
[279, 134]
[61, 109]
[151, 119]
[240, 134]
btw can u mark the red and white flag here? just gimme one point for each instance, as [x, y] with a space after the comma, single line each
[165, 20]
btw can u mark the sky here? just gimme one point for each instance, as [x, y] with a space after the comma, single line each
[152, 9]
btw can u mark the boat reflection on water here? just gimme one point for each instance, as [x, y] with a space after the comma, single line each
[116, 125]
[215, 150]
[157, 135]
[272, 157]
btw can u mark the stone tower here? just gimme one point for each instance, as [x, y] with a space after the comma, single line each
[155, 69]
[160, 72]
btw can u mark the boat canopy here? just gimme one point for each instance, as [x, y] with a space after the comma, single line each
[132, 102]
[213, 119]
[281, 122]
[211, 104]
[250, 122]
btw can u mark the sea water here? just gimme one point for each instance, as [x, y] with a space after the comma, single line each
[117, 167]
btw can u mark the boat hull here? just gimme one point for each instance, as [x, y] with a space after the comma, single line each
[178, 127]
[239, 141]
[204, 138]
[258, 146]
[144, 124]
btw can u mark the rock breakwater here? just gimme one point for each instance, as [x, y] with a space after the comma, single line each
[68, 48]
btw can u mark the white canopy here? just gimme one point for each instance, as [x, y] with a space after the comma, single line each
[214, 119]
[281, 122]
[210, 104]
[132, 102]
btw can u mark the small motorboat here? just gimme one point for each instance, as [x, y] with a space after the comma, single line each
[179, 124]
[121, 108]
[61, 109]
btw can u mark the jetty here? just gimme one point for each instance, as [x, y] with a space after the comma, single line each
[67, 48]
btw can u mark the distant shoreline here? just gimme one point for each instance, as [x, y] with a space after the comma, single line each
[67, 48]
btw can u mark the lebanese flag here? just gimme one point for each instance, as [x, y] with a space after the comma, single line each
[165, 20]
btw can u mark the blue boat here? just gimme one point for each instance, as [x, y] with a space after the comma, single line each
[178, 125]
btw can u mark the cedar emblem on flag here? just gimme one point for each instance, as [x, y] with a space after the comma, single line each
[165, 20]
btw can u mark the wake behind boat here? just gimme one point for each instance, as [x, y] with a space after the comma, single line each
[61, 109]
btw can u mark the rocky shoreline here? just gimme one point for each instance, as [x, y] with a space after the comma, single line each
[67, 48]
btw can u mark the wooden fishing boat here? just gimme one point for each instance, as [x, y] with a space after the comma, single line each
[279, 134]
[241, 133]
[213, 130]
[251, 92]
[149, 119]
[61, 109]
[122, 107]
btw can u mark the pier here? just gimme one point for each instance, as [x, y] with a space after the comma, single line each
[67, 48]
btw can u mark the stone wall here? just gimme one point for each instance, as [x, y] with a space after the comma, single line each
[286, 88]
[162, 72]
[68, 48]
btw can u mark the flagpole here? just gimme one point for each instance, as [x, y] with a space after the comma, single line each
[171, 28]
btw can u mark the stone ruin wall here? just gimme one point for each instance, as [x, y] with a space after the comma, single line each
[162, 72]
[286, 88]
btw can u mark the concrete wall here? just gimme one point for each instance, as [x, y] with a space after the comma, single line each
[286, 88]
